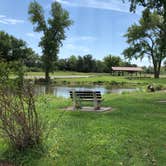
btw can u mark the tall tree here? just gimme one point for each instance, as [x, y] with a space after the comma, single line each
[88, 63]
[80, 64]
[111, 61]
[144, 40]
[100, 66]
[53, 31]
[72, 62]
[13, 49]
[32, 59]
[160, 7]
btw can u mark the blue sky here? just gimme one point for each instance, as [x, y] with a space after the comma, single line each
[98, 29]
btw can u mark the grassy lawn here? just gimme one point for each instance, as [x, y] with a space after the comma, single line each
[134, 133]
[59, 73]
[99, 78]
[112, 81]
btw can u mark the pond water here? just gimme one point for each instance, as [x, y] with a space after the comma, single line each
[63, 91]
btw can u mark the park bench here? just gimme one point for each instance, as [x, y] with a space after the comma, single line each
[92, 96]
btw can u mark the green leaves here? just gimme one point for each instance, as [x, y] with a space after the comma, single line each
[144, 39]
[13, 49]
[111, 61]
[53, 31]
[36, 13]
[147, 3]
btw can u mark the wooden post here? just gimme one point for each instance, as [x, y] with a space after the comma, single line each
[76, 101]
[96, 103]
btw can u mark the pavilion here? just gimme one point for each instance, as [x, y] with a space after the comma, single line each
[130, 70]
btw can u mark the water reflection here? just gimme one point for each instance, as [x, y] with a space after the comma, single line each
[63, 91]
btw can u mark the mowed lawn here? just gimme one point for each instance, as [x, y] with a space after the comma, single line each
[59, 73]
[101, 78]
[133, 133]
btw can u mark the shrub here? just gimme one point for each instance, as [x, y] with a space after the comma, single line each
[19, 121]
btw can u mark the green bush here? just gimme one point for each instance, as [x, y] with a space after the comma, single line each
[19, 121]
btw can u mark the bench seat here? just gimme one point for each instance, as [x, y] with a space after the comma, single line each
[78, 96]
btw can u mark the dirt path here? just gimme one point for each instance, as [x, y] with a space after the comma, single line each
[52, 77]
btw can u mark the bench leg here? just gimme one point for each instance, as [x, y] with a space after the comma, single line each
[96, 102]
[96, 105]
[76, 102]
[76, 105]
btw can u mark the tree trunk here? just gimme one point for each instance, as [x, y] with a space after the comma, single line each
[157, 70]
[156, 75]
[47, 77]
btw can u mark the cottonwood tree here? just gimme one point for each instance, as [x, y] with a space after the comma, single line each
[111, 61]
[144, 40]
[160, 7]
[72, 62]
[13, 49]
[53, 31]
[88, 63]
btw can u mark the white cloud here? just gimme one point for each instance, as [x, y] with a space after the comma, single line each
[30, 34]
[81, 38]
[7, 20]
[75, 48]
[64, 2]
[86, 38]
[116, 5]
[34, 35]
[71, 44]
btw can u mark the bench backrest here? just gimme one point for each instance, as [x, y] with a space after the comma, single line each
[86, 94]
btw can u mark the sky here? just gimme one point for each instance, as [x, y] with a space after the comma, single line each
[98, 29]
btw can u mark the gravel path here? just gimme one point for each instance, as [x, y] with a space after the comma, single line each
[52, 77]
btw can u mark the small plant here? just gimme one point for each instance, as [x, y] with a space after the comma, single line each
[19, 121]
[4, 73]
[159, 87]
[19, 118]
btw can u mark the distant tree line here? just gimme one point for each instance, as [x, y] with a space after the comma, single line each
[13, 49]
[87, 63]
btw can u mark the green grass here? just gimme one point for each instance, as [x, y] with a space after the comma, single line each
[58, 73]
[100, 78]
[111, 80]
[134, 133]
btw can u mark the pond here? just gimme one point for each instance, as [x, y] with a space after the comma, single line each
[63, 91]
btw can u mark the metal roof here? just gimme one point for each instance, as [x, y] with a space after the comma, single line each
[127, 69]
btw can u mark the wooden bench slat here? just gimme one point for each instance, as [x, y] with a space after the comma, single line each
[86, 97]
[89, 92]
[94, 96]
[85, 94]
[91, 100]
